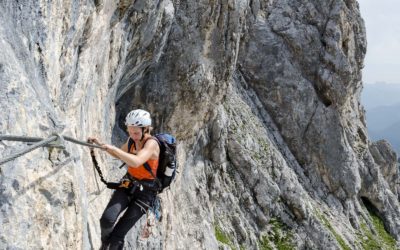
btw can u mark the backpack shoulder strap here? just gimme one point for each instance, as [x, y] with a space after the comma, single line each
[148, 168]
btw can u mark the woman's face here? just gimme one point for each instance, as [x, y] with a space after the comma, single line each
[135, 132]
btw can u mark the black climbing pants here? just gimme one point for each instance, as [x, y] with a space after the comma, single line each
[112, 231]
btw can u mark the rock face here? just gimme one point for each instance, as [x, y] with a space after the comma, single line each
[263, 96]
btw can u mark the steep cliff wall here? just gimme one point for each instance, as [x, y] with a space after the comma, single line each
[262, 95]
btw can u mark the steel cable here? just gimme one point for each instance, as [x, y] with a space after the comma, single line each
[39, 142]
[29, 149]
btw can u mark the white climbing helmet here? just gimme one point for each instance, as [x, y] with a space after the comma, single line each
[139, 118]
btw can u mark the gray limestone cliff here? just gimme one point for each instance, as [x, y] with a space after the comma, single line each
[262, 95]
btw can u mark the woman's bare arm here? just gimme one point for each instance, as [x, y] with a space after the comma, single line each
[143, 155]
[124, 147]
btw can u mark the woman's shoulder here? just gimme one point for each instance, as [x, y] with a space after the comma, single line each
[150, 138]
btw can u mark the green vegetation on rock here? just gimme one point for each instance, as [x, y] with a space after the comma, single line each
[279, 236]
[338, 238]
[381, 240]
[223, 237]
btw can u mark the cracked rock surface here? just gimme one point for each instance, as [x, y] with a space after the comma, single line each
[262, 95]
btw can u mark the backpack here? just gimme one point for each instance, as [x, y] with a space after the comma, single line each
[166, 162]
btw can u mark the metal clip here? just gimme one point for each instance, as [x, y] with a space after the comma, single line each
[59, 143]
[125, 184]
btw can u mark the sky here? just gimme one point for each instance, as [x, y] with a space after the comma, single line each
[382, 22]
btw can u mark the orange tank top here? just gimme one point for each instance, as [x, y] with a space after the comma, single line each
[140, 173]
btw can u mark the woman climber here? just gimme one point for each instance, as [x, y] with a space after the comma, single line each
[138, 187]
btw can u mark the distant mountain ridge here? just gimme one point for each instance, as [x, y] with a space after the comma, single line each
[391, 133]
[380, 94]
[382, 105]
[382, 117]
